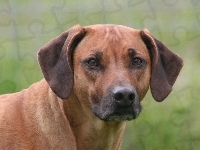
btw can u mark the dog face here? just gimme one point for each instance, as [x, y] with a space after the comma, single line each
[109, 68]
[113, 71]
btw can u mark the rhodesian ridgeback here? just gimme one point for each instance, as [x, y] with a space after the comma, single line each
[94, 80]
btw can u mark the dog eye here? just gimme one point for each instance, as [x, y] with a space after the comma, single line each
[93, 63]
[137, 62]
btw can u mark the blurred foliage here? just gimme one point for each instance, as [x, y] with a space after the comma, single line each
[174, 124]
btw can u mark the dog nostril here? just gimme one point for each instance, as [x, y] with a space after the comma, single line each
[118, 96]
[131, 97]
[124, 96]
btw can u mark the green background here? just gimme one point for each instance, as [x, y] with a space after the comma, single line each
[174, 124]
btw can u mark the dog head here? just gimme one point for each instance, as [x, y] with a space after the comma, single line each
[110, 67]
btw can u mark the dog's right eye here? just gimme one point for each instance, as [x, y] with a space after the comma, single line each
[92, 63]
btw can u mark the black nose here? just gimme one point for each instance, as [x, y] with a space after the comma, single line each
[124, 96]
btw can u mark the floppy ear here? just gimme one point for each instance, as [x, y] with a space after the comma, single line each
[55, 59]
[166, 66]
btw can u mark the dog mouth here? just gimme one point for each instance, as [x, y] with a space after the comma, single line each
[118, 114]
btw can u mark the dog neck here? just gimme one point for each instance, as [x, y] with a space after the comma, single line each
[89, 131]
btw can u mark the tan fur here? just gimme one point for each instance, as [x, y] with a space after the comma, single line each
[38, 119]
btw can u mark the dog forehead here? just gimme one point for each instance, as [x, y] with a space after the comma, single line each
[117, 34]
[110, 26]
[109, 30]
[111, 37]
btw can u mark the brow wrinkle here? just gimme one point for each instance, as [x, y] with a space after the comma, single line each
[113, 34]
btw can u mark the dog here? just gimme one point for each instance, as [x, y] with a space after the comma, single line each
[94, 80]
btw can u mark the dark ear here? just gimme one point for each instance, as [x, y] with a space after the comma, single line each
[166, 66]
[55, 59]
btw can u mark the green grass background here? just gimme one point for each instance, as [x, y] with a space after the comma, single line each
[174, 124]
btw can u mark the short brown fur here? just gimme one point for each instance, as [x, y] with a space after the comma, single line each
[66, 110]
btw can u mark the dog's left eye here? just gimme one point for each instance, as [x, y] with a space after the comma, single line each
[93, 63]
[136, 62]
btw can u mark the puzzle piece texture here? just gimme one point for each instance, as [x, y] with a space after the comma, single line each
[174, 124]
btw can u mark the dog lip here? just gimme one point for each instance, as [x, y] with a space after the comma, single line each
[122, 114]
[119, 117]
